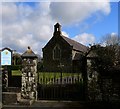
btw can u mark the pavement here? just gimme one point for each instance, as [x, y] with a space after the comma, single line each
[43, 104]
[48, 105]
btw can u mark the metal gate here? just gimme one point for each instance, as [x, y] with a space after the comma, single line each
[57, 86]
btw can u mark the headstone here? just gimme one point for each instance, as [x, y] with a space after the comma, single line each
[29, 75]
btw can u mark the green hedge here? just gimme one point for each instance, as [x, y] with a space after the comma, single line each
[13, 67]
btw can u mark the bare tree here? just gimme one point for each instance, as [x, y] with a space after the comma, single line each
[111, 39]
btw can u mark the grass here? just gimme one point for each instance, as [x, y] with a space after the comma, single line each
[55, 74]
[16, 73]
[44, 77]
[46, 74]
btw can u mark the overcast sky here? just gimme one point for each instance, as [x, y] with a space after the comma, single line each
[31, 23]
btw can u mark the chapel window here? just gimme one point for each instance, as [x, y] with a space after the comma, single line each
[56, 53]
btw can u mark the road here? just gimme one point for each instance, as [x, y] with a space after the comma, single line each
[65, 105]
[49, 105]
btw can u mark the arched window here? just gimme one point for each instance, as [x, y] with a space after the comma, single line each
[56, 53]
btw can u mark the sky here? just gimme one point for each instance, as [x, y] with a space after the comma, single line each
[24, 24]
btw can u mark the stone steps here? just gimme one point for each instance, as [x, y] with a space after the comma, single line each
[13, 89]
[25, 102]
[10, 97]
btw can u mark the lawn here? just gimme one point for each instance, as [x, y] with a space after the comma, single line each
[49, 77]
[45, 77]
[46, 74]
[16, 73]
[55, 74]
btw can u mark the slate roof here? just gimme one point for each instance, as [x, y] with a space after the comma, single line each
[76, 45]
[29, 54]
[92, 54]
[77, 56]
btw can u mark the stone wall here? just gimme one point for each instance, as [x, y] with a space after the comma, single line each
[29, 79]
[66, 55]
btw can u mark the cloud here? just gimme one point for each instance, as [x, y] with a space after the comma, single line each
[110, 39]
[65, 34]
[85, 38]
[9, 13]
[27, 25]
[0, 26]
[113, 34]
[74, 12]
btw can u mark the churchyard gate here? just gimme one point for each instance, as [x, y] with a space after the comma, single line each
[51, 85]
[60, 86]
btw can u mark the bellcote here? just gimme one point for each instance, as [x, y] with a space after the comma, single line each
[57, 29]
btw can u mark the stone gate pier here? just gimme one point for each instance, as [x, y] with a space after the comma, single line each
[29, 77]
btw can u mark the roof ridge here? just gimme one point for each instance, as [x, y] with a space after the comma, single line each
[73, 40]
[76, 45]
[29, 53]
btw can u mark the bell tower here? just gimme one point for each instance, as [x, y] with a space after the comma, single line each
[57, 29]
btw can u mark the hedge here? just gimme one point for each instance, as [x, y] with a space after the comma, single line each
[13, 67]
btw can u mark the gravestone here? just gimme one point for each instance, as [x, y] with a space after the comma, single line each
[29, 75]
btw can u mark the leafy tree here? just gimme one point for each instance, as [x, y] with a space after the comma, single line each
[108, 56]
[16, 59]
[106, 63]
[105, 58]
